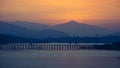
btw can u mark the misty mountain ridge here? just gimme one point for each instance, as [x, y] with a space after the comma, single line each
[72, 28]
[113, 25]
[32, 25]
[81, 29]
[12, 29]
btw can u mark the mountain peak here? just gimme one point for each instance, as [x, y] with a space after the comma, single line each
[73, 22]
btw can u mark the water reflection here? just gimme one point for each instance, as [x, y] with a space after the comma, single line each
[59, 59]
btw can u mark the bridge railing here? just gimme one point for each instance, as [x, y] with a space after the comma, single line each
[44, 46]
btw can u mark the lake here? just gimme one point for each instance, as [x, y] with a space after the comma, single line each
[60, 59]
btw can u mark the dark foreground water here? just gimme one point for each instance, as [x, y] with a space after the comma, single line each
[60, 59]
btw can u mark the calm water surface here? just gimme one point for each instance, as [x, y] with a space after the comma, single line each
[60, 59]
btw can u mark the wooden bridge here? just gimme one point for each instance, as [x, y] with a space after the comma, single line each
[45, 46]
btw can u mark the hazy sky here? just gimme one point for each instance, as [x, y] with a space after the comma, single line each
[56, 11]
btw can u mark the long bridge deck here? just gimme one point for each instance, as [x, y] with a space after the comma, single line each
[46, 46]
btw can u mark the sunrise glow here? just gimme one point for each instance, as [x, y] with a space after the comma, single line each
[56, 11]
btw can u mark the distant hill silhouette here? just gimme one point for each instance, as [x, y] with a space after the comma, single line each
[72, 28]
[11, 39]
[116, 34]
[11, 29]
[113, 25]
[32, 25]
[4, 38]
[83, 30]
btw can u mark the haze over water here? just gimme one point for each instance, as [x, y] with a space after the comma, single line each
[60, 59]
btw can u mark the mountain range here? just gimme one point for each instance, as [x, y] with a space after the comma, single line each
[80, 29]
[37, 30]
[16, 30]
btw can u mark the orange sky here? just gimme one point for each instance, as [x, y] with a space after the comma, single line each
[56, 11]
